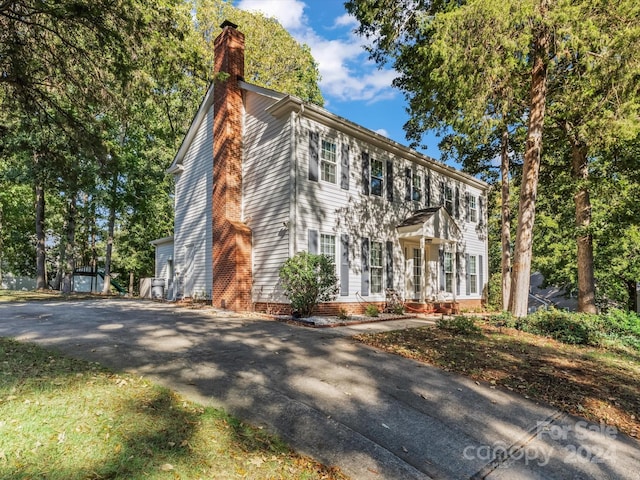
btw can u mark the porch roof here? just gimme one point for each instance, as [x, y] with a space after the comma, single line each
[434, 223]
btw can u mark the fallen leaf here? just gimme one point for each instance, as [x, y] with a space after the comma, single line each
[167, 467]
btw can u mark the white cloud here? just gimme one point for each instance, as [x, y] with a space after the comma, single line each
[347, 74]
[382, 131]
[290, 13]
[346, 20]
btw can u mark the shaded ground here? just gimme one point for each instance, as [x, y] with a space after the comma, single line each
[602, 386]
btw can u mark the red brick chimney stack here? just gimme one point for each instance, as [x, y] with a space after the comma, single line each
[232, 272]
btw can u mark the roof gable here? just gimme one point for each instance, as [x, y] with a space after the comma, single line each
[433, 222]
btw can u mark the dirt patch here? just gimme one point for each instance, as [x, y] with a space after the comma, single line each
[597, 384]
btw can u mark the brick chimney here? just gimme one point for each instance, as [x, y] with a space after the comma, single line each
[232, 271]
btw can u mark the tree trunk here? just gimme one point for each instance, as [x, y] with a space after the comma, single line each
[632, 288]
[67, 281]
[107, 259]
[131, 279]
[1, 244]
[110, 232]
[62, 258]
[41, 274]
[506, 222]
[521, 271]
[586, 279]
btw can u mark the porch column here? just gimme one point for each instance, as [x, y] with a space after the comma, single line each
[454, 266]
[423, 269]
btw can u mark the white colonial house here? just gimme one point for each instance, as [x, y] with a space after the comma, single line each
[262, 175]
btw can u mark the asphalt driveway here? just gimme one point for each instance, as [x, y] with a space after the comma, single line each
[375, 415]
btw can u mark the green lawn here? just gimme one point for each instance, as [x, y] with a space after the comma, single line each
[62, 418]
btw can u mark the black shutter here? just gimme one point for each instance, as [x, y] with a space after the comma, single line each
[467, 214]
[365, 268]
[441, 193]
[458, 273]
[389, 264]
[467, 271]
[407, 184]
[457, 204]
[389, 180]
[344, 164]
[313, 241]
[365, 173]
[481, 210]
[480, 276]
[344, 264]
[427, 190]
[442, 274]
[314, 155]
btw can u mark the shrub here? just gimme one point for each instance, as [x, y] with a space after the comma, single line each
[505, 319]
[308, 279]
[398, 309]
[566, 327]
[459, 324]
[494, 292]
[343, 314]
[371, 311]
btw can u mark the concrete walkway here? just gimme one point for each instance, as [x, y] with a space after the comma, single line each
[375, 415]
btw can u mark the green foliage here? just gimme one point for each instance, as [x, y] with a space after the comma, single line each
[494, 297]
[308, 279]
[371, 311]
[614, 327]
[273, 58]
[398, 309]
[459, 325]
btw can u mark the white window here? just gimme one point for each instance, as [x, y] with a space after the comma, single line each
[328, 246]
[377, 175]
[473, 208]
[328, 161]
[417, 272]
[448, 272]
[473, 274]
[416, 190]
[376, 267]
[448, 199]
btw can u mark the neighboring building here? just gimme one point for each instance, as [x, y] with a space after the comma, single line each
[262, 175]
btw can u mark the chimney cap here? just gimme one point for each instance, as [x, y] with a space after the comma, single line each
[227, 23]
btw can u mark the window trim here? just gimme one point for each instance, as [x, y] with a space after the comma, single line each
[473, 209]
[448, 199]
[376, 269]
[473, 277]
[378, 192]
[448, 273]
[416, 187]
[322, 244]
[328, 161]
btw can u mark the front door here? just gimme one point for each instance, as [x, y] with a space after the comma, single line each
[413, 271]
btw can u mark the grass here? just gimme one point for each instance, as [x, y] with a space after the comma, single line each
[34, 295]
[62, 418]
[602, 385]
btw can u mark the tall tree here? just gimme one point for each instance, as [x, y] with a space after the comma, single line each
[532, 45]
[273, 58]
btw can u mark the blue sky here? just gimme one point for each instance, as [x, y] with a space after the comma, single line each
[352, 85]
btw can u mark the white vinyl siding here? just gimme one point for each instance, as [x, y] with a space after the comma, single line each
[266, 193]
[192, 231]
